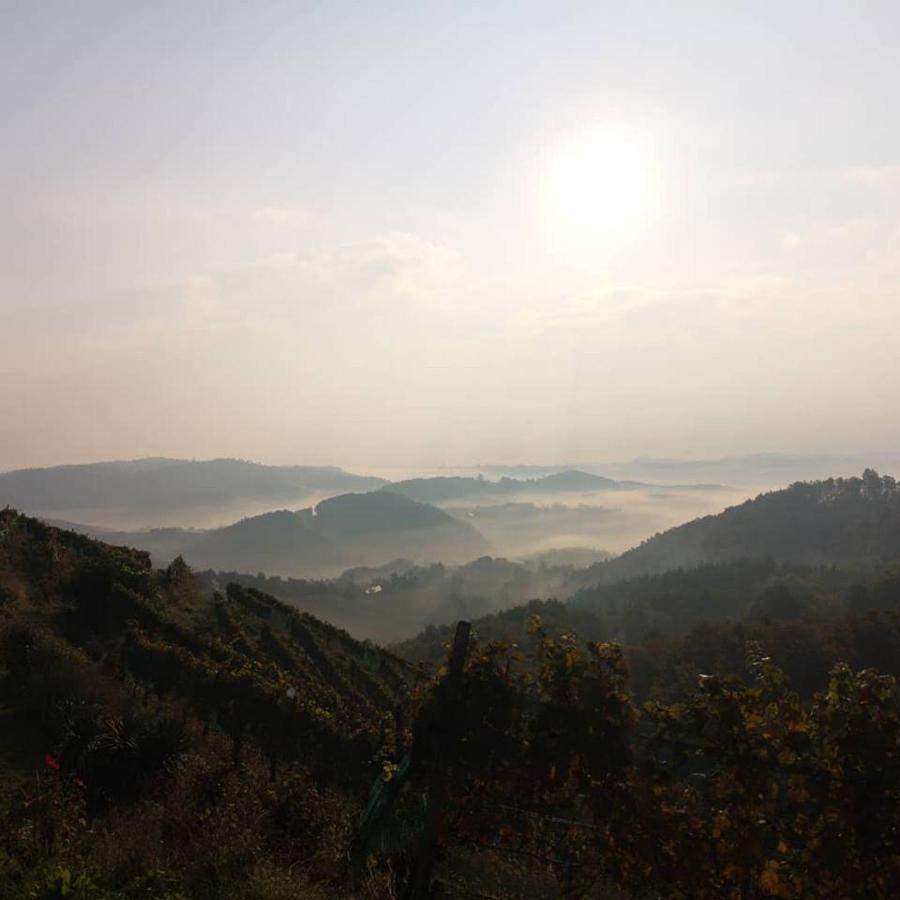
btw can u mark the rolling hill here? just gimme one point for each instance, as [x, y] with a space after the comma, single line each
[343, 531]
[80, 617]
[839, 521]
[448, 488]
[396, 600]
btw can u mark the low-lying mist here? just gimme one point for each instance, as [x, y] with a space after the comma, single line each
[611, 521]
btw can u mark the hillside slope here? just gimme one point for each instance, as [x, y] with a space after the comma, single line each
[171, 743]
[852, 521]
[80, 599]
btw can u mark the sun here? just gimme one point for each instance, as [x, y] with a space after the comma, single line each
[599, 185]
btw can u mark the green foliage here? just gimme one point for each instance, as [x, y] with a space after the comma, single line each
[741, 790]
[163, 713]
[62, 883]
[806, 650]
[224, 747]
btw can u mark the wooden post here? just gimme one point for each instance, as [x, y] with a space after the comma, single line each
[426, 852]
[460, 650]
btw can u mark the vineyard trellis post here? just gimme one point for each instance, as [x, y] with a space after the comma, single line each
[436, 798]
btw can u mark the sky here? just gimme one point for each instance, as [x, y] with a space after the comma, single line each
[424, 234]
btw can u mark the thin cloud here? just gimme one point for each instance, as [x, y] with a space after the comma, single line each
[282, 216]
[876, 177]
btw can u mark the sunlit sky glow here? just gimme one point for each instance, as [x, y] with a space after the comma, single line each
[600, 186]
[425, 234]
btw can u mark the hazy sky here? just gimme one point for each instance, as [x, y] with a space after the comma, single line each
[440, 232]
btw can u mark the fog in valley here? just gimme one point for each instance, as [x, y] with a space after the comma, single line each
[385, 555]
[525, 527]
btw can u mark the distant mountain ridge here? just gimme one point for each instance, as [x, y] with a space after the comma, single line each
[163, 484]
[760, 469]
[442, 488]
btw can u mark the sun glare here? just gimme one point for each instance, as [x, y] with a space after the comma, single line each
[599, 185]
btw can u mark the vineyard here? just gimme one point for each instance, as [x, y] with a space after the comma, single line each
[183, 744]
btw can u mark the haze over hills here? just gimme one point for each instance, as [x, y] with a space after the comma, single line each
[98, 493]
[343, 531]
[517, 516]
[809, 553]
[808, 523]
[394, 601]
[712, 568]
[853, 521]
[769, 470]
[563, 509]
[447, 488]
[850, 522]
[159, 485]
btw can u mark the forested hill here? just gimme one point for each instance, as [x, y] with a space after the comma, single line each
[78, 618]
[139, 685]
[678, 624]
[347, 530]
[446, 488]
[841, 521]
